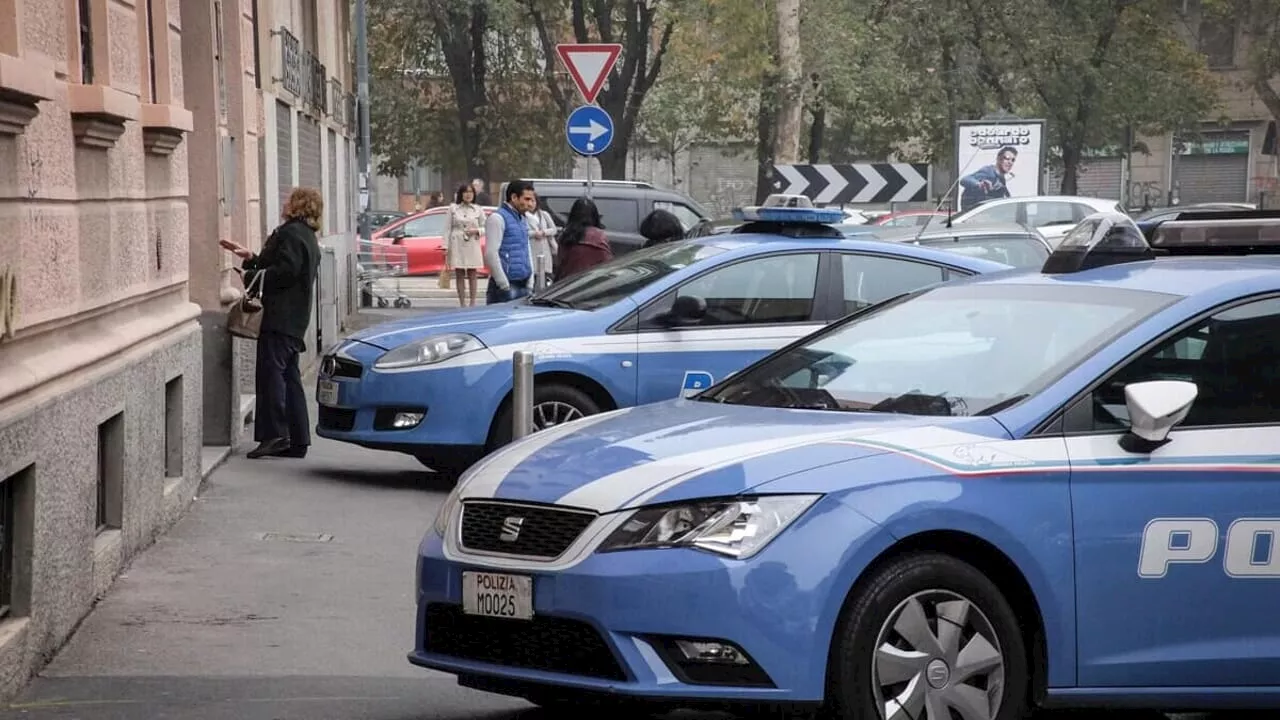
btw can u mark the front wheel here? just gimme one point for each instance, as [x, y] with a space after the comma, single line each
[553, 405]
[928, 637]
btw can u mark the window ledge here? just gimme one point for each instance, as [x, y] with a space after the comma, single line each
[24, 83]
[163, 127]
[99, 113]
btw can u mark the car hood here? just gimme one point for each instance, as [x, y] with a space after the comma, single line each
[685, 449]
[479, 321]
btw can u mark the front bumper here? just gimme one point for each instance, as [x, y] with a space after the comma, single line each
[456, 404]
[608, 624]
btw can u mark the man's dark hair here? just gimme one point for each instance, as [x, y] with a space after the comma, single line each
[1008, 149]
[516, 188]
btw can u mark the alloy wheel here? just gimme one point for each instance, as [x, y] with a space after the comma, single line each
[937, 657]
[552, 413]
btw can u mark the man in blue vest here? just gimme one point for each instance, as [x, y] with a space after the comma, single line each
[506, 251]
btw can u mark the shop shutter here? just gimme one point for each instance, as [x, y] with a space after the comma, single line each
[1097, 177]
[284, 150]
[1212, 178]
[331, 193]
[309, 174]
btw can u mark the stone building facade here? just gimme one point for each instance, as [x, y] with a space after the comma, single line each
[134, 134]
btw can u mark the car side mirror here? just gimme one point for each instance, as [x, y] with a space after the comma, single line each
[397, 234]
[1155, 408]
[686, 310]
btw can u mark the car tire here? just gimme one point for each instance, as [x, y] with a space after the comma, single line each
[557, 397]
[908, 595]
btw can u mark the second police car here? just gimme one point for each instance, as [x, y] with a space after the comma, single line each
[642, 328]
[1053, 488]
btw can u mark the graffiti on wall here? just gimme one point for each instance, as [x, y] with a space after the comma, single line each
[1146, 194]
[729, 194]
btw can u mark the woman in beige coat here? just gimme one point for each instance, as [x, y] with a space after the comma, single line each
[463, 228]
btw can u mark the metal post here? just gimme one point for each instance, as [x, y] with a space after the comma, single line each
[362, 95]
[588, 177]
[521, 394]
[540, 273]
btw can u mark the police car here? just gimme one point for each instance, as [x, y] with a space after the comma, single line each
[1053, 487]
[642, 328]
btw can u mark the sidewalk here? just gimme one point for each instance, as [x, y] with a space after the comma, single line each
[284, 593]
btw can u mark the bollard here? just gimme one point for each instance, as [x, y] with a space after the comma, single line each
[540, 273]
[521, 394]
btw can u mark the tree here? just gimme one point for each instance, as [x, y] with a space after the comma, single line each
[1093, 68]
[451, 86]
[631, 23]
[790, 91]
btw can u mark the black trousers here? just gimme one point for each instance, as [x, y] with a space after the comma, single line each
[281, 402]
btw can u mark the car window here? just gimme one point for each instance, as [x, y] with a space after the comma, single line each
[1232, 357]
[869, 279]
[1018, 251]
[688, 218]
[1004, 213]
[425, 226]
[775, 289]
[950, 350]
[610, 282]
[1049, 213]
[619, 215]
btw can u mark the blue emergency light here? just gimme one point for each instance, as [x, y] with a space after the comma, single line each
[783, 208]
[1110, 238]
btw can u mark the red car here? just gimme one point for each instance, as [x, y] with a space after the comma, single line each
[422, 237]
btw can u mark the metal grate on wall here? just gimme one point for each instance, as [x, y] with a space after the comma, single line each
[284, 151]
[309, 174]
[331, 192]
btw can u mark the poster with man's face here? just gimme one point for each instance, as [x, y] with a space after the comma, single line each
[998, 160]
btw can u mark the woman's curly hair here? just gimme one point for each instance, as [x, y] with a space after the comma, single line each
[305, 204]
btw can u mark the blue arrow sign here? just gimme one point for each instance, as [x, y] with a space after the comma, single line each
[589, 130]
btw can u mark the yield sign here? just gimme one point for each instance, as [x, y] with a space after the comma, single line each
[589, 64]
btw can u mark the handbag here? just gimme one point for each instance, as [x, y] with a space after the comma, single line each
[445, 281]
[244, 320]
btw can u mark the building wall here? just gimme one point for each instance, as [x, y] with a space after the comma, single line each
[99, 347]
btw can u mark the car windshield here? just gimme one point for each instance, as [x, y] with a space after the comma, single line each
[967, 349]
[612, 281]
[1019, 251]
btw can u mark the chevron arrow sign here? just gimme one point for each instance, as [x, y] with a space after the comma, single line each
[854, 184]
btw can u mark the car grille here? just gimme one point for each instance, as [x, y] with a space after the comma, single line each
[334, 366]
[550, 644]
[544, 532]
[336, 419]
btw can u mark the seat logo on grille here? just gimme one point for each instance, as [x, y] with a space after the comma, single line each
[511, 529]
[329, 366]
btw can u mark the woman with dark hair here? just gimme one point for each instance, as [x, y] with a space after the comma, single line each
[583, 243]
[661, 226]
[463, 227]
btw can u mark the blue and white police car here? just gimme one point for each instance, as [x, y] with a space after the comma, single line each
[1053, 487]
[642, 328]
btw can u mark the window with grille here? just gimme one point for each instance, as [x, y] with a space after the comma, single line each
[86, 42]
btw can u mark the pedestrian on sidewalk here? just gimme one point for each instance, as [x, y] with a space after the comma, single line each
[661, 226]
[289, 262]
[542, 235]
[463, 228]
[583, 244]
[506, 251]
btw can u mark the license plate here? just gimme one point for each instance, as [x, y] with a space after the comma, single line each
[497, 595]
[327, 393]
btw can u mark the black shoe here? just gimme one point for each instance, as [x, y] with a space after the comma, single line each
[294, 451]
[268, 448]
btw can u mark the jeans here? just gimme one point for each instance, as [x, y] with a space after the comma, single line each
[281, 402]
[494, 294]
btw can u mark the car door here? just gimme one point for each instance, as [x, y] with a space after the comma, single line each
[866, 279]
[423, 241]
[754, 306]
[1177, 565]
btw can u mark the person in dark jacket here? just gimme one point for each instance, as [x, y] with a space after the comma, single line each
[661, 226]
[583, 244]
[289, 262]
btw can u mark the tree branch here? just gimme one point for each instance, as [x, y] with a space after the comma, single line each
[548, 53]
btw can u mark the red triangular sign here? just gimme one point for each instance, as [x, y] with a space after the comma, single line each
[589, 64]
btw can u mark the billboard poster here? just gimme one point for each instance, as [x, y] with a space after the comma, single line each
[998, 159]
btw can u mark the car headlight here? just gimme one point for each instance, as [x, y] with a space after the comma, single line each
[450, 503]
[434, 349]
[736, 527]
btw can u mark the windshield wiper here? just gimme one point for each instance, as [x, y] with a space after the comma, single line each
[551, 302]
[1003, 404]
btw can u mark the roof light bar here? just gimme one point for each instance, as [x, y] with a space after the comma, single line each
[1105, 238]
[783, 208]
[1216, 233]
